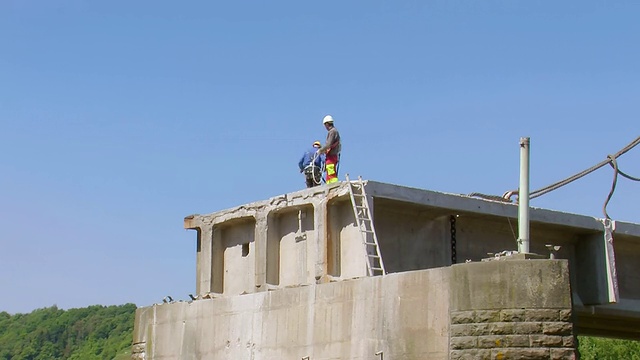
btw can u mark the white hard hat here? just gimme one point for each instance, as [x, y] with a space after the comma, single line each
[327, 119]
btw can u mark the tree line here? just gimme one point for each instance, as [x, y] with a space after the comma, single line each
[92, 333]
[105, 333]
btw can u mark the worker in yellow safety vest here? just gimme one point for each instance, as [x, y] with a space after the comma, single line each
[332, 150]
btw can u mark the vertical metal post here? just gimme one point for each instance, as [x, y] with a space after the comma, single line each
[523, 197]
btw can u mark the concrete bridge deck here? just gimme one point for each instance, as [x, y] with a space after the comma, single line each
[309, 237]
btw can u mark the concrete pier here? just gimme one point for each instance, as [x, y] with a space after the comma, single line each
[285, 278]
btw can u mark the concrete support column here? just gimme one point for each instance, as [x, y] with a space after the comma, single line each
[310, 250]
[511, 309]
[260, 243]
[204, 258]
[320, 239]
[594, 258]
[217, 262]
[272, 250]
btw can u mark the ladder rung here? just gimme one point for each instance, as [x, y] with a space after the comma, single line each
[364, 218]
[367, 231]
[361, 207]
[373, 256]
[377, 268]
[354, 194]
[370, 243]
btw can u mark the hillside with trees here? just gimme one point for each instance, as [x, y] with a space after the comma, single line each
[105, 333]
[96, 332]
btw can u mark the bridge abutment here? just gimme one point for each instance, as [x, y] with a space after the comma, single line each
[518, 309]
[285, 278]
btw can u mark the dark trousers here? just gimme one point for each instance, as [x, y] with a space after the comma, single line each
[310, 173]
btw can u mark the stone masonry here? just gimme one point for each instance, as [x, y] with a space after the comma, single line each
[512, 334]
[500, 311]
[138, 351]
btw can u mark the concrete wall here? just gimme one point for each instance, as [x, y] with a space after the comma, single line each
[411, 237]
[236, 255]
[287, 246]
[404, 315]
[488, 310]
[345, 249]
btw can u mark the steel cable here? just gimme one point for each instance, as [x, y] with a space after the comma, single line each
[611, 160]
[544, 190]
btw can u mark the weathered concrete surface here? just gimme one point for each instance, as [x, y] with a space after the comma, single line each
[506, 309]
[309, 237]
[495, 285]
[405, 315]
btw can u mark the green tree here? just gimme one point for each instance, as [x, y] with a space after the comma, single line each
[95, 332]
[595, 348]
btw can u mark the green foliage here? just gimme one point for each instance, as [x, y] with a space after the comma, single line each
[96, 332]
[594, 348]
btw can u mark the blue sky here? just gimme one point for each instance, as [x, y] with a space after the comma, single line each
[119, 118]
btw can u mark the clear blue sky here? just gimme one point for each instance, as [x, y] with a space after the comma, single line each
[119, 118]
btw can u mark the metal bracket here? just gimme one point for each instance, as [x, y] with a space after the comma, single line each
[610, 259]
[553, 250]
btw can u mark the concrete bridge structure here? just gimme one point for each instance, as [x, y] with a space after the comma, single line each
[286, 278]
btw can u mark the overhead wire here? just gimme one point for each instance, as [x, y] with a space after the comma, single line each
[614, 164]
[611, 160]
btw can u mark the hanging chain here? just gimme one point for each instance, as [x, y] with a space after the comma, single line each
[452, 220]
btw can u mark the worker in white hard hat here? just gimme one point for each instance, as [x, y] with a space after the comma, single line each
[332, 150]
[311, 164]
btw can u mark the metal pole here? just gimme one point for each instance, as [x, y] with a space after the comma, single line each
[523, 197]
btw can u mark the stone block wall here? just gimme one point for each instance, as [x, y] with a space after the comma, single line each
[511, 309]
[138, 351]
[512, 334]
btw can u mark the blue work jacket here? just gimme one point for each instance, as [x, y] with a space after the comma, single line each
[307, 157]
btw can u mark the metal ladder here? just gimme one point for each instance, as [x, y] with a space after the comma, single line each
[361, 210]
